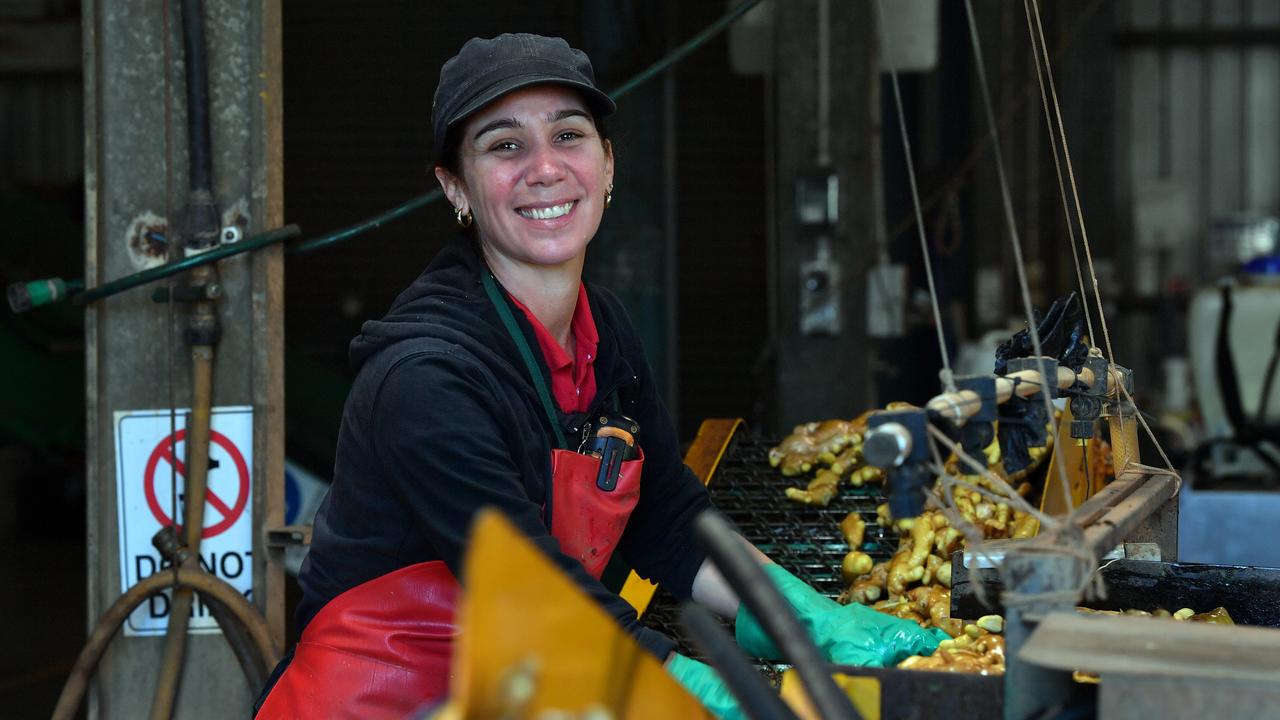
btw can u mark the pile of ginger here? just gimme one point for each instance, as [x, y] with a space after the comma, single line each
[915, 583]
[832, 451]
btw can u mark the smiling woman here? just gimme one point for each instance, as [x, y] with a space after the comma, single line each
[467, 390]
[466, 393]
[534, 172]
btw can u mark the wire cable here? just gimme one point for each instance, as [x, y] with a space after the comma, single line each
[684, 49]
[948, 377]
[1075, 192]
[76, 289]
[1084, 235]
[1057, 165]
[1007, 200]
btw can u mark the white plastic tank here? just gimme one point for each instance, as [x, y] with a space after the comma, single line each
[1255, 298]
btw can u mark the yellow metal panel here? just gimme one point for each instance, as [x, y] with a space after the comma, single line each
[863, 691]
[1124, 441]
[703, 457]
[1071, 453]
[533, 642]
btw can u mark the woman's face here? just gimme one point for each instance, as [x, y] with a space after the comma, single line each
[534, 171]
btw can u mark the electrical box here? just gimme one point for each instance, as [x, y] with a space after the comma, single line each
[886, 301]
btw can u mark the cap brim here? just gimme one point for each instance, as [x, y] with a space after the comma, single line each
[599, 100]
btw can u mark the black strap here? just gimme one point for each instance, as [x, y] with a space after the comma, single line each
[535, 371]
[1228, 385]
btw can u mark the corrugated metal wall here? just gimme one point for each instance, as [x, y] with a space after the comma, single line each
[41, 100]
[1197, 102]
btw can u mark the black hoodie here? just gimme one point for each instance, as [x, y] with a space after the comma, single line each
[443, 420]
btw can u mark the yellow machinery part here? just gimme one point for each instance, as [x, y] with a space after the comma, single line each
[532, 642]
[703, 457]
[1071, 454]
[1124, 440]
[864, 691]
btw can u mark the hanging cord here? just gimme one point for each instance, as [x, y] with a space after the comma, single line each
[170, 247]
[1084, 236]
[948, 378]
[1177, 478]
[1075, 192]
[957, 178]
[693, 43]
[1057, 165]
[1003, 491]
[1068, 501]
[1067, 538]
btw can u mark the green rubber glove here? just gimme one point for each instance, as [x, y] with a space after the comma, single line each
[851, 634]
[703, 683]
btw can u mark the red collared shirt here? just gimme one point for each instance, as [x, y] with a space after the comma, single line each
[573, 380]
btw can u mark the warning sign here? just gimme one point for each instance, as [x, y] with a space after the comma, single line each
[151, 454]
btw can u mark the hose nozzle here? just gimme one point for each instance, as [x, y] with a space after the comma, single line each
[26, 295]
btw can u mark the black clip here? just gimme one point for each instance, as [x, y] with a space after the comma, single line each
[612, 438]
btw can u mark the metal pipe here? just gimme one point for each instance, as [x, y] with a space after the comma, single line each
[747, 578]
[26, 295]
[1104, 533]
[202, 582]
[203, 334]
[203, 233]
[204, 223]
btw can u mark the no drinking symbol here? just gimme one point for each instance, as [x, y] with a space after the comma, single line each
[228, 512]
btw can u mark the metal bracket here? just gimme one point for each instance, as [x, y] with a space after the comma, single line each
[287, 536]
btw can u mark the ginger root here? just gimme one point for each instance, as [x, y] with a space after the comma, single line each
[855, 565]
[820, 491]
[811, 443]
[854, 529]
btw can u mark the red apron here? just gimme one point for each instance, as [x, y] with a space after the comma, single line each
[382, 648]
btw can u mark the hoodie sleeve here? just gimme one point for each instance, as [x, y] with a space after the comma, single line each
[659, 540]
[442, 432]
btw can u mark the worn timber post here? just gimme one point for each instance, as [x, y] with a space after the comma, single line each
[828, 207]
[135, 193]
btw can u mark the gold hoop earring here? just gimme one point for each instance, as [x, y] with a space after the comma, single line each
[608, 197]
[464, 219]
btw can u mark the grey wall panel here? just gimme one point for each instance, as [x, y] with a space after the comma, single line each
[1224, 132]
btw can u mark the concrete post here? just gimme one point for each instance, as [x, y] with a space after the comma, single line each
[135, 181]
[828, 206]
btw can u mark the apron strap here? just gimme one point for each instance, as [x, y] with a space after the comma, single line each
[535, 371]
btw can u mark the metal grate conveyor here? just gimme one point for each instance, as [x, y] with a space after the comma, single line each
[804, 539]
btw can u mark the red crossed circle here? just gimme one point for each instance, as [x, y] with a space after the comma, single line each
[230, 513]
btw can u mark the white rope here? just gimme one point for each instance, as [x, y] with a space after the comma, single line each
[1177, 478]
[1075, 192]
[948, 377]
[1057, 166]
[1068, 501]
[1006, 493]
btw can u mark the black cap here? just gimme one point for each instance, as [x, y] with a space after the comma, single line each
[488, 68]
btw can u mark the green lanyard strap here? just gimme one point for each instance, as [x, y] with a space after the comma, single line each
[535, 372]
